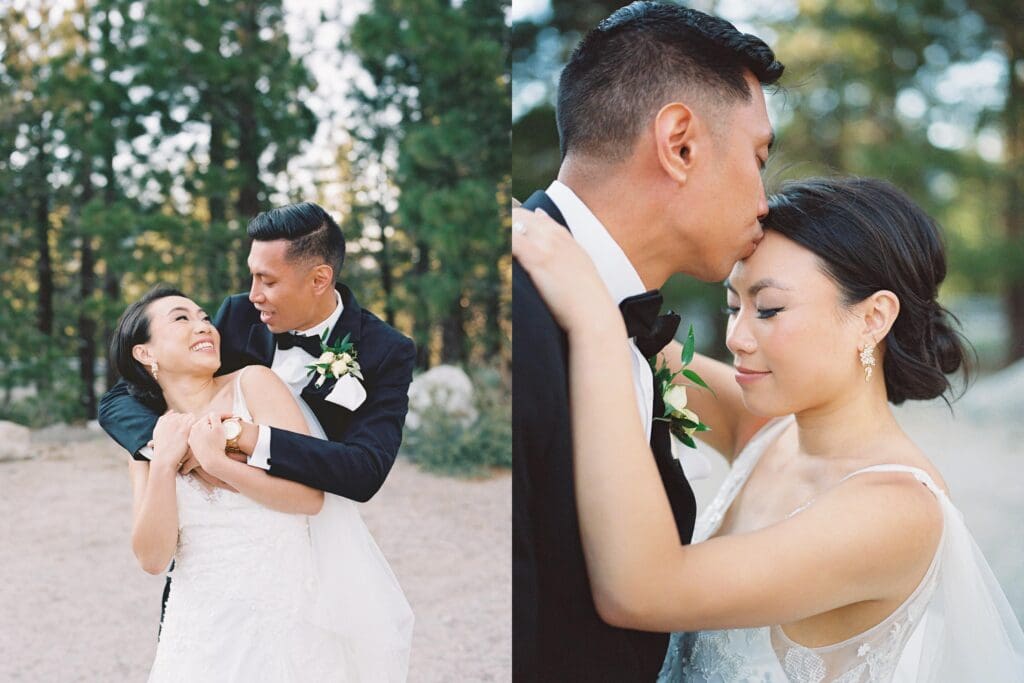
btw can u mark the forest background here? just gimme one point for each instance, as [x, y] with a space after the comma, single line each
[138, 137]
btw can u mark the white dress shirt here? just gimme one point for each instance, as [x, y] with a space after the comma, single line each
[622, 280]
[618, 275]
[290, 366]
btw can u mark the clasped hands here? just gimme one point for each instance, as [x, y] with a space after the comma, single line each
[193, 445]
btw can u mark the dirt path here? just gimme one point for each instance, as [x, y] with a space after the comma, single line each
[75, 606]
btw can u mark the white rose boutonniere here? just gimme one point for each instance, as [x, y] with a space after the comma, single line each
[683, 422]
[336, 361]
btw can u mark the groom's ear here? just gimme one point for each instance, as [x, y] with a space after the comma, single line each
[674, 133]
[323, 278]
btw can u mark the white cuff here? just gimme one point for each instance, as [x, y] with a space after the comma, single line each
[261, 453]
[146, 452]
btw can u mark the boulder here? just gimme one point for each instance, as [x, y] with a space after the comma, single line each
[15, 442]
[447, 387]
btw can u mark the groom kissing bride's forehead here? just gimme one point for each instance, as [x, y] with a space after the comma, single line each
[664, 134]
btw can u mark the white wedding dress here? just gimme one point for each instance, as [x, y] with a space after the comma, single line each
[955, 627]
[259, 595]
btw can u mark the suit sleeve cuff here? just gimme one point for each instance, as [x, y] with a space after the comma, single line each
[261, 453]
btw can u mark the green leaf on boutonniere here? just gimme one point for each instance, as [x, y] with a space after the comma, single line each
[703, 428]
[688, 347]
[663, 375]
[685, 438]
[689, 424]
[695, 378]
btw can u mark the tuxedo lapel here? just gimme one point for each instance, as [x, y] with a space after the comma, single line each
[350, 323]
[541, 200]
[260, 344]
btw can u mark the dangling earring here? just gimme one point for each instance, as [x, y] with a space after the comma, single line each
[154, 368]
[867, 360]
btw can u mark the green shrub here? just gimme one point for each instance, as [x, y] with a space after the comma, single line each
[60, 403]
[443, 444]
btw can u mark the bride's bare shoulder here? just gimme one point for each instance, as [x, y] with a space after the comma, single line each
[260, 381]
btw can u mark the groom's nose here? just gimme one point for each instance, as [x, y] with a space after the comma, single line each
[255, 294]
[762, 205]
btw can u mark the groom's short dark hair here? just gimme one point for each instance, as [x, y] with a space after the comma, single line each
[312, 233]
[639, 59]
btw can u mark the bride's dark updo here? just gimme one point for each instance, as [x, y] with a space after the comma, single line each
[870, 236]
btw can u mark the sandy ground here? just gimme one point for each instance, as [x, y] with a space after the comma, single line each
[75, 606]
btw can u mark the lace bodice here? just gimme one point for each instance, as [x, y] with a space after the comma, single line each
[767, 654]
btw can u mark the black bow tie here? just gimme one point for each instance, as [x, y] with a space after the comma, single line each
[287, 340]
[651, 331]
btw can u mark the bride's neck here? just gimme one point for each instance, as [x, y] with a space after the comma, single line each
[188, 393]
[845, 426]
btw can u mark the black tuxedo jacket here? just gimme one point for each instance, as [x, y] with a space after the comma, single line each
[362, 444]
[557, 634]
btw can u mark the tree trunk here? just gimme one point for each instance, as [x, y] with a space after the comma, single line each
[218, 248]
[86, 325]
[87, 330]
[44, 268]
[421, 322]
[112, 293]
[386, 277]
[248, 134]
[453, 335]
[1014, 117]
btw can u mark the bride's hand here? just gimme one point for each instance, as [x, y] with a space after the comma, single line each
[207, 441]
[170, 438]
[563, 273]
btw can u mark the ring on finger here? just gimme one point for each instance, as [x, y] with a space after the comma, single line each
[519, 227]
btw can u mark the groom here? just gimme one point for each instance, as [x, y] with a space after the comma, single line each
[295, 258]
[664, 133]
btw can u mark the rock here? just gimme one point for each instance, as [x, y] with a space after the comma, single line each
[15, 442]
[445, 386]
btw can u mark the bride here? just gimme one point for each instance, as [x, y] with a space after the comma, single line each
[273, 580]
[832, 551]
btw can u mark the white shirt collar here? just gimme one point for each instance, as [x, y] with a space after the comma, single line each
[318, 330]
[613, 265]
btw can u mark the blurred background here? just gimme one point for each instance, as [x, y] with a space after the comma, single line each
[137, 139]
[928, 94]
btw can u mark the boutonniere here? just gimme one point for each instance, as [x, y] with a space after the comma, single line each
[683, 422]
[336, 361]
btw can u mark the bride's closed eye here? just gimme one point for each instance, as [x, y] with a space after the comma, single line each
[762, 313]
